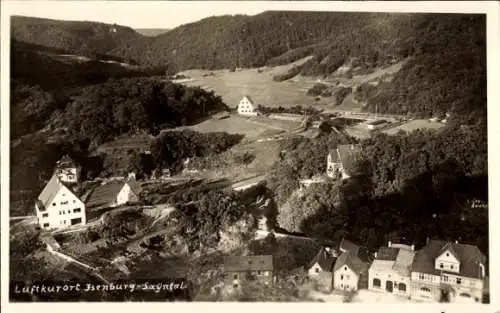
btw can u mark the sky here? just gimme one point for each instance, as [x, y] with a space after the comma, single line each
[170, 14]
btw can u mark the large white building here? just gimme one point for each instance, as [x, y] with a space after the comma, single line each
[390, 272]
[58, 207]
[247, 107]
[448, 271]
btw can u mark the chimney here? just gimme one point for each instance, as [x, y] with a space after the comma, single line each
[375, 254]
[412, 247]
[456, 242]
[389, 244]
[427, 240]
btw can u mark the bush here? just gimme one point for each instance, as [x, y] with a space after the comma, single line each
[317, 90]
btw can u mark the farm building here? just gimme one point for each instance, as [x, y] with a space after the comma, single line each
[377, 124]
[247, 107]
[238, 269]
[58, 207]
[114, 193]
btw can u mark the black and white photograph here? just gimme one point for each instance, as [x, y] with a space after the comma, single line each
[246, 152]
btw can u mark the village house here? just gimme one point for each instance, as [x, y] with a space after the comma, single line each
[58, 207]
[349, 272]
[391, 270]
[247, 107]
[320, 269]
[450, 271]
[114, 193]
[336, 160]
[238, 269]
[67, 170]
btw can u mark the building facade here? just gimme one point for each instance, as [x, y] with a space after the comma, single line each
[390, 272]
[58, 207]
[348, 272]
[114, 193]
[247, 107]
[445, 271]
[240, 269]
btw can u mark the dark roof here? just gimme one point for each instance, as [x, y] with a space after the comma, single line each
[348, 245]
[324, 259]
[105, 194]
[248, 98]
[66, 161]
[387, 254]
[343, 152]
[352, 261]
[468, 255]
[377, 122]
[248, 263]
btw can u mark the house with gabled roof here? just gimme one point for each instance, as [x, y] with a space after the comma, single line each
[114, 193]
[349, 271]
[446, 270]
[335, 164]
[321, 267]
[57, 206]
[238, 269]
[247, 107]
[391, 270]
[67, 170]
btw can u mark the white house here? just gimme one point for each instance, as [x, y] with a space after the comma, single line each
[453, 271]
[320, 269]
[58, 207]
[348, 271]
[114, 193]
[391, 270]
[67, 170]
[247, 107]
[336, 160]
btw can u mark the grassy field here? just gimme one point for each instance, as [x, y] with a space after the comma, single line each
[259, 85]
[414, 125]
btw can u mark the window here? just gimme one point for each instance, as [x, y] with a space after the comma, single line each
[235, 276]
[447, 254]
[451, 266]
[376, 282]
[77, 210]
[64, 202]
[425, 289]
[74, 201]
[465, 295]
[60, 212]
[54, 204]
[317, 270]
[445, 277]
[441, 265]
[45, 225]
[341, 285]
[345, 268]
[64, 222]
[235, 286]
[402, 287]
[45, 215]
[341, 277]
[421, 276]
[459, 280]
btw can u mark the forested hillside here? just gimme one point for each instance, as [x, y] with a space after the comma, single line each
[446, 52]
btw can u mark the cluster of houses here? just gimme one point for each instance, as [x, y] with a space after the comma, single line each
[62, 204]
[439, 271]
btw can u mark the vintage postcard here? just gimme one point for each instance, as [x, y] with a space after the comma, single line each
[327, 153]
